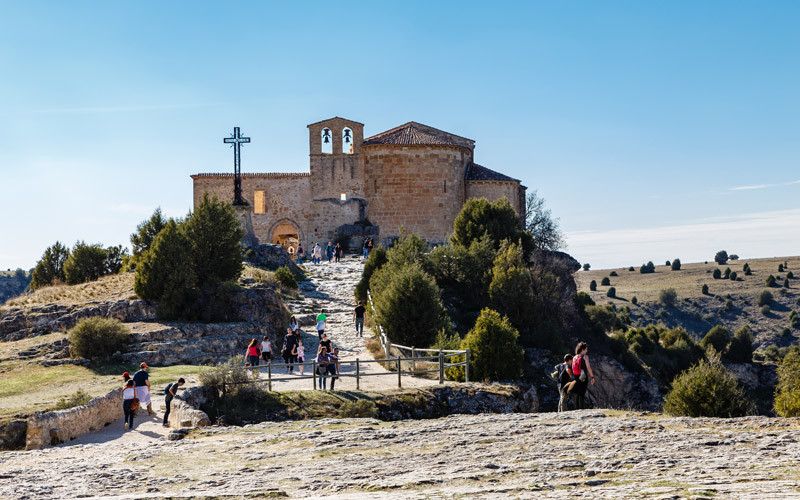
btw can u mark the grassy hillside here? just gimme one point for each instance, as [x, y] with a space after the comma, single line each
[729, 303]
[13, 283]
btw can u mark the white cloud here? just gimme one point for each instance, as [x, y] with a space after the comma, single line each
[758, 186]
[761, 234]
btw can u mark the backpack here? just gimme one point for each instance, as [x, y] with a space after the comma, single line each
[167, 388]
[576, 365]
[563, 375]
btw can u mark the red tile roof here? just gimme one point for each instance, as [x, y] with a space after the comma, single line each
[415, 134]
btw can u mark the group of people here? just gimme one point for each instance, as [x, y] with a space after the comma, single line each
[573, 377]
[331, 252]
[136, 392]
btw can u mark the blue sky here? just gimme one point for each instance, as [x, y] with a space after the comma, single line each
[654, 130]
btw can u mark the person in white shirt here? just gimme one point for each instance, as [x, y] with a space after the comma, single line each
[128, 394]
[266, 350]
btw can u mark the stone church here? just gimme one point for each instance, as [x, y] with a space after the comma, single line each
[413, 176]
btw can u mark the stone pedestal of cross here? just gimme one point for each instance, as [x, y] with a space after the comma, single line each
[237, 140]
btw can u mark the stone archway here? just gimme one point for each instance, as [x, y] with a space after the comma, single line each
[287, 233]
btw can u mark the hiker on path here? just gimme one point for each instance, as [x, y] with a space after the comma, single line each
[289, 350]
[370, 245]
[329, 252]
[299, 254]
[253, 353]
[582, 371]
[358, 318]
[563, 375]
[293, 325]
[169, 394]
[142, 381]
[318, 254]
[128, 393]
[322, 366]
[266, 350]
[365, 253]
[301, 355]
[326, 343]
[322, 323]
[337, 252]
[333, 366]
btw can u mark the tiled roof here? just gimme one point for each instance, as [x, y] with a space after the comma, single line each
[477, 172]
[416, 134]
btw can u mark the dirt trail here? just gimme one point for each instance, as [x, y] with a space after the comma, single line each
[330, 287]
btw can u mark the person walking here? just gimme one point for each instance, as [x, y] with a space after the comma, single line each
[317, 254]
[128, 395]
[337, 252]
[370, 244]
[289, 350]
[322, 323]
[365, 249]
[141, 380]
[329, 252]
[301, 355]
[299, 254]
[333, 366]
[322, 366]
[266, 350]
[326, 343]
[169, 394]
[582, 371]
[125, 377]
[563, 375]
[252, 354]
[358, 318]
[294, 326]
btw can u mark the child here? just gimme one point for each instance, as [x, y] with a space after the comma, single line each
[301, 355]
[563, 375]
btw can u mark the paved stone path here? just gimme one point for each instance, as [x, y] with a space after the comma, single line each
[330, 287]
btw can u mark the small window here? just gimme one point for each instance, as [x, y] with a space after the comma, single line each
[347, 141]
[327, 141]
[343, 196]
[445, 186]
[260, 202]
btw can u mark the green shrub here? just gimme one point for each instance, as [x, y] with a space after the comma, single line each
[790, 275]
[741, 347]
[605, 281]
[717, 274]
[612, 292]
[732, 276]
[85, 263]
[215, 238]
[786, 283]
[786, 332]
[668, 263]
[729, 305]
[795, 321]
[408, 306]
[704, 289]
[587, 266]
[50, 268]
[80, 398]
[707, 390]
[631, 268]
[721, 257]
[771, 352]
[733, 256]
[770, 281]
[613, 273]
[511, 289]
[668, 297]
[765, 310]
[145, 234]
[377, 258]
[647, 268]
[780, 268]
[98, 338]
[495, 353]
[717, 337]
[639, 341]
[593, 286]
[787, 393]
[634, 300]
[746, 269]
[224, 377]
[765, 298]
[360, 408]
[676, 265]
[727, 273]
[496, 219]
[285, 277]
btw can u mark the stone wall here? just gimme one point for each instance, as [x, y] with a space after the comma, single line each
[419, 188]
[54, 427]
[494, 190]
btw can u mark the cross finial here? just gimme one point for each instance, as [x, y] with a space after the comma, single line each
[236, 140]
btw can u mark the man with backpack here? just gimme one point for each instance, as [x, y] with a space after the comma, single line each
[170, 391]
[563, 376]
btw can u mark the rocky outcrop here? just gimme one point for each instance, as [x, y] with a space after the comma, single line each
[759, 380]
[271, 257]
[183, 413]
[617, 387]
[54, 427]
[12, 434]
[19, 323]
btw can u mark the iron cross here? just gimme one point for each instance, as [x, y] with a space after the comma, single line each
[237, 140]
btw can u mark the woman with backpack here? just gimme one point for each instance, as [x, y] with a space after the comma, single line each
[582, 371]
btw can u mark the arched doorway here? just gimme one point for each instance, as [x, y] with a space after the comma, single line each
[286, 233]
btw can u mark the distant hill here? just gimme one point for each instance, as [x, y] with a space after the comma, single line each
[729, 303]
[13, 283]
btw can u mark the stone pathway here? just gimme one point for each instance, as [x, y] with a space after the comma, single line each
[330, 287]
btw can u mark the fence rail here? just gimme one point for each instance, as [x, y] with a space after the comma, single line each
[411, 352]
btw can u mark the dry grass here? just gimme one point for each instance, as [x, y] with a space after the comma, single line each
[108, 288]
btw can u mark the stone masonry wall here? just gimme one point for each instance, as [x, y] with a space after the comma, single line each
[420, 188]
[494, 190]
[53, 427]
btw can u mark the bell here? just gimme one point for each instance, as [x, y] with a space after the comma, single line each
[347, 137]
[326, 139]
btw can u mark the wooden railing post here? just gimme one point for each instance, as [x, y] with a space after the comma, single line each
[314, 376]
[466, 366]
[269, 377]
[413, 359]
[399, 373]
[358, 375]
[441, 367]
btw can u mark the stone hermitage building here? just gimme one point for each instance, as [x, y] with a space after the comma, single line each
[413, 176]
